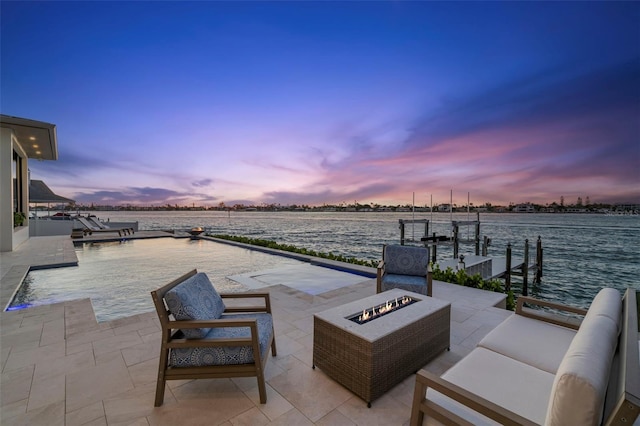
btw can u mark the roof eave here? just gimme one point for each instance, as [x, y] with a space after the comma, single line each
[38, 139]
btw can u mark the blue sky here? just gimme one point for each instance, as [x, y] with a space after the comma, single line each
[329, 102]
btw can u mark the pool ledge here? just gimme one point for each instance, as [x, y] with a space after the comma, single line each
[35, 253]
[364, 271]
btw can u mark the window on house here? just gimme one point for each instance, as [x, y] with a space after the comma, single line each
[18, 184]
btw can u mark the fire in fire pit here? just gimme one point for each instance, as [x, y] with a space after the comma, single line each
[374, 312]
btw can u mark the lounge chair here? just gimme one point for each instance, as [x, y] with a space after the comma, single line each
[204, 339]
[103, 225]
[90, 228]
[404, 267]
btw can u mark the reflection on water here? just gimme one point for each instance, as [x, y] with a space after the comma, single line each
[118, 276]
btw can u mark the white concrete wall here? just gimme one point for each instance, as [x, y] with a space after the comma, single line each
[45, 228]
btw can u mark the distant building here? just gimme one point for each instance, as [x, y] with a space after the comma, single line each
[524, 208]
[628, 207]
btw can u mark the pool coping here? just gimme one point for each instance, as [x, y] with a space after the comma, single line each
[365, 271]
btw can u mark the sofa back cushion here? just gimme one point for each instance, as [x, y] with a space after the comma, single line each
[406, 260]
[195, 299]
[580, 385]
[607, 303]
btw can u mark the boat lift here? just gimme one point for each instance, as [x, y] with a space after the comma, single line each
[488, 267]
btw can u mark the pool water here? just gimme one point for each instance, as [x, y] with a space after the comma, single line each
[118, 276]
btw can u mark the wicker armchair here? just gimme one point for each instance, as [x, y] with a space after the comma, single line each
[404, 267]
[203, 339]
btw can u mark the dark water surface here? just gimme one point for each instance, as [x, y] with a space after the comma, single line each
[582, 252]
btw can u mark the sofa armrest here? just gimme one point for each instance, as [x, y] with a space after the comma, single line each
[550, 318]
[421, 405]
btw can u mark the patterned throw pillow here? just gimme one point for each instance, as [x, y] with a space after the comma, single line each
[195, 299]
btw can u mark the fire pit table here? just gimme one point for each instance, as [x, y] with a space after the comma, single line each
[371, 357]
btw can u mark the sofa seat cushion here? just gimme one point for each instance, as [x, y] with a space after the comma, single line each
[406, 260]
[537, 343]
[195, 299]
[204, 356]
[511, 384]
[581, 381]
[417, 284]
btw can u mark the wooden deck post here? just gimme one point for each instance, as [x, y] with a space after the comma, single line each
[426, 231]
[538, 260]
[525, 269]
[401, 232]
[507, 277]
[478, 237]
[434, 252]
[455, 240]
[485, 245]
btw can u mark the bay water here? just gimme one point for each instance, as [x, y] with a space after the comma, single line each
[582, 252]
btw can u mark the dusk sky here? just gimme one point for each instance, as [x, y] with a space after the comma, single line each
[329, 102]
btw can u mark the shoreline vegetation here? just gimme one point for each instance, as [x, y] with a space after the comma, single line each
[448, 275]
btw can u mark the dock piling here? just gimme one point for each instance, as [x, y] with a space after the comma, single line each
[485, 245]
[455, 240]
[434, 251]
[477, 239]
[538, 276]
[525, 269]
[507, 276]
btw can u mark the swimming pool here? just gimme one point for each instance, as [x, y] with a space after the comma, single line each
[118, 276]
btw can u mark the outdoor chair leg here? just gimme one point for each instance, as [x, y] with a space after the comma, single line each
[160, 391]
[262, 389]
[160, 385]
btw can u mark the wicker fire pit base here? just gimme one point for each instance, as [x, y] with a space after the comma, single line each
[369, 359]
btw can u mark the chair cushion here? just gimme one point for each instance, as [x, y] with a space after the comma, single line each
[407, 282]
[581, 381]
[226, 355]
[506, 382]
[537, 343]
[406, 260]
[195, 299]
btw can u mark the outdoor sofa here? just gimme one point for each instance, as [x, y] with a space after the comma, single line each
[540, 368]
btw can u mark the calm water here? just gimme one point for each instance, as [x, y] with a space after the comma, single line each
[118, 276]
[582, 253]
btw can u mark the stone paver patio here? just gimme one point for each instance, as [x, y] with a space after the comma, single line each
[60, 367]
